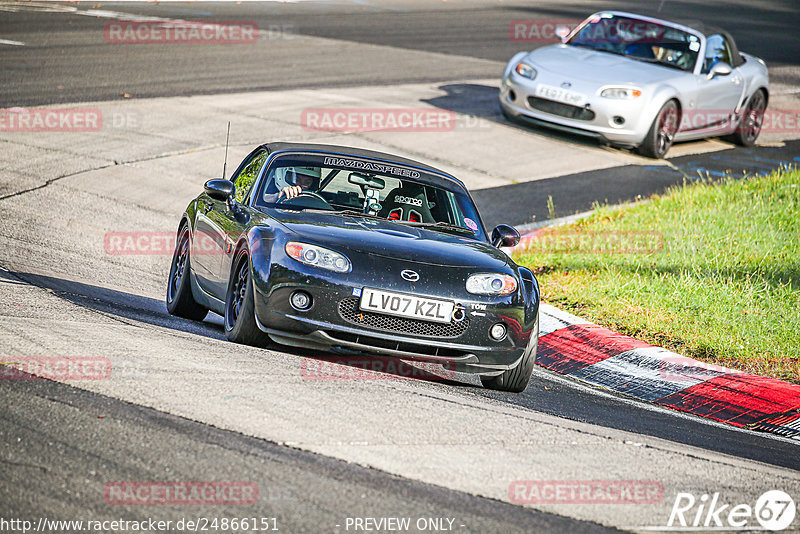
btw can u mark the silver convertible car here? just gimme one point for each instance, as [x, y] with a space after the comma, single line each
[635, 81]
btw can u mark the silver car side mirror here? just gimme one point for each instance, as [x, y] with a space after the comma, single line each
[562, 32]
[719, 69]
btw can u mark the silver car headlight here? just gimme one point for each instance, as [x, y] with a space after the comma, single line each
[525, 70]
[491, 284]
[318, 256]
[621, 93]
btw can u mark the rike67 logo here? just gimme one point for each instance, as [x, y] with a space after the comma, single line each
[773, 511]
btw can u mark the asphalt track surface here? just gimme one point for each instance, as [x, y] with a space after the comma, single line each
[67, 60]
[43, 420]
[303, 492]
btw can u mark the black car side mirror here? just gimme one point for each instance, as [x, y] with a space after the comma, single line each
[505, 236]
[219, 189]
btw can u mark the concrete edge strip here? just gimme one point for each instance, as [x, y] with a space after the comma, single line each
[574, 347]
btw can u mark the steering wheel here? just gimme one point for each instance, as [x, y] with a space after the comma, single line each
[304, 193]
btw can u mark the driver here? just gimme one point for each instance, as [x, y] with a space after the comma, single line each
[293, 181]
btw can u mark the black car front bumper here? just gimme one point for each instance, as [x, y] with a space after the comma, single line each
[334, 322]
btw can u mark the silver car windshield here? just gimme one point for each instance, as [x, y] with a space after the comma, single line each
[638, 39]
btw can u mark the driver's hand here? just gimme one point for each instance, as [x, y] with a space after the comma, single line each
[290, 191]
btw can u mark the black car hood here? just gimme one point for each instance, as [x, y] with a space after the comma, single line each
[390, 239]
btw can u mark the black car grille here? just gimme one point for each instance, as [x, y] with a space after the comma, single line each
[562, 110]
[349, 311]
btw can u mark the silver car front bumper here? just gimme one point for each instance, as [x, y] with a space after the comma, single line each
[518, 100]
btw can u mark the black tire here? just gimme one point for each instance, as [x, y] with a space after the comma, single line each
[180, 301]
[752, 119]
[662, 132]
[516, 380]
[240, 311]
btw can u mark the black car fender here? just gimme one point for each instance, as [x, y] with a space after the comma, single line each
[189, 217]
[258, 241]
[531, 293]
[192, 209]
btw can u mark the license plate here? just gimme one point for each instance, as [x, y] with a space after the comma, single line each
[560, 95]
[404, 305]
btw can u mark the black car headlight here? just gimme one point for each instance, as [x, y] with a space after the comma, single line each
[491, 284]
[318, 257]
[525, 70]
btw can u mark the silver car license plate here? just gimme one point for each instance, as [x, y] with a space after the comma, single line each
[404, 305]
[560, 95]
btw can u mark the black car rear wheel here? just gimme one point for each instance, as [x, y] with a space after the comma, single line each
[240, 314]
[752, 119]
[516, 380]
[180, 300]
[662, 132]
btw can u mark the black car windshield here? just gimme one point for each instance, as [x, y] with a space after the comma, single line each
[639, 39]
[355, 186]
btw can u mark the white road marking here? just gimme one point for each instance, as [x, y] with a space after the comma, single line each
[10, 42]
[552, 319]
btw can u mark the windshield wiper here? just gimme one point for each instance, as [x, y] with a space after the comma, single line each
[439, 226]
[291, 207]
[356, 213]
[656, 61]
[598, 49]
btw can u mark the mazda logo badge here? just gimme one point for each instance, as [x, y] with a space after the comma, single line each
[409, 275]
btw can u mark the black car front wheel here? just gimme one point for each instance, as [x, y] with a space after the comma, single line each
[240, 314]
[662, 132]
[180, 300]
[516, 380]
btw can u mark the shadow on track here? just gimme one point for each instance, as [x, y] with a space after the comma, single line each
[328, 366]
[481, 101]
[114, 303]
[546, 392]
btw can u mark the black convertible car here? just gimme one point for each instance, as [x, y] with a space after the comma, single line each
[354, 251]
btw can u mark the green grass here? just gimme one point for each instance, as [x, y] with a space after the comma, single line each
[723, 288]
